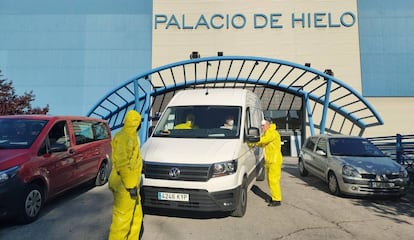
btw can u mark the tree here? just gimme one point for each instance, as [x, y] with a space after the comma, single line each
[12, 104]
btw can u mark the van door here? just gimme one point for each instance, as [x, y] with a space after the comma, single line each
[252, 155]
[55, 161]
[86, 151]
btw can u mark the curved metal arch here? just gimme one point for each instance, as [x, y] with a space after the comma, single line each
[322, 93]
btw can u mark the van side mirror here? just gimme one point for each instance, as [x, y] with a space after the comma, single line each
[58, 147]
[253, 135]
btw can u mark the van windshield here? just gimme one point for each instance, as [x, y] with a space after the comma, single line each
[19, 133]
[200, 122]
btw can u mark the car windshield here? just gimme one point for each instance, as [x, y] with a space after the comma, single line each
[353, 147]
[200, 122]
[19, 133]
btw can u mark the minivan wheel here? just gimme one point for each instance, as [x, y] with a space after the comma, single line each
[32, 203]
[242, 203]
[333, 184]
[103, 174]
[302, 170]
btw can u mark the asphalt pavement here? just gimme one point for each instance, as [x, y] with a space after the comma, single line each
[308, 211]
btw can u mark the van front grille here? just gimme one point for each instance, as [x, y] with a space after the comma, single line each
[180, 172]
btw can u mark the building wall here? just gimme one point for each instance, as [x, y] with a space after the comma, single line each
[324, 33]
[176, 32]
[72, 52]
[387, 54]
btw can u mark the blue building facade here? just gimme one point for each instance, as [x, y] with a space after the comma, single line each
[73, 52]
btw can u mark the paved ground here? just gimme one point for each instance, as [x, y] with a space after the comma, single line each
[308, 212]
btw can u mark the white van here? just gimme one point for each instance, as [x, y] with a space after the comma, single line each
[196, 163]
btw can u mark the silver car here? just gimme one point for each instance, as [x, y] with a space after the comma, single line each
[352, 166]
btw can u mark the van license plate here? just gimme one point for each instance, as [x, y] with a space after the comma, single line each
[181, 197]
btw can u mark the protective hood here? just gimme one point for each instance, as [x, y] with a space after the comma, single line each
[272, 126]
[132, 122]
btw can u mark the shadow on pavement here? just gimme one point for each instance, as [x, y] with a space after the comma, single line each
[51, 204]
[260, 193]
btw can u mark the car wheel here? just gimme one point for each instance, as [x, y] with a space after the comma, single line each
[242, 203]
[302, 170]
[103, 174]
[31, 203]
[333, 184]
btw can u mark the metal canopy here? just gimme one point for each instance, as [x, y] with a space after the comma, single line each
[331, 105]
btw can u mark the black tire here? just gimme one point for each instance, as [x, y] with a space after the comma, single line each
[261, 176]
[242, 203]
[103, 174]
[302, 170]
[31, 203]
[333, 184]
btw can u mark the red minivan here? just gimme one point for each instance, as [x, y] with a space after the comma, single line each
[42, 156]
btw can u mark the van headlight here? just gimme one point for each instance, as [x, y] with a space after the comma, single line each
[8, 174]
[350, 171]
[224, 168]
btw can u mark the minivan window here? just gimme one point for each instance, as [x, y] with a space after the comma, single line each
[59, 134]
[86, 131]
[19, 133]
[100, 131]
[57, 138]
[198, 122]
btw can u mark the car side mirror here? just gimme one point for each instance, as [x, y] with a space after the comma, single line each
[253, 135]
[321, 152]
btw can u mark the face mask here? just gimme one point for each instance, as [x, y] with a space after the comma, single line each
[231, 122]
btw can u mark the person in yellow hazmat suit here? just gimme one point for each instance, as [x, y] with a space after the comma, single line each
[271, 142]
[124, 181]
[188, 124]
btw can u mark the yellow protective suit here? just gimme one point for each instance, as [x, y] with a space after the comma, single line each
[186, 125]
[126, 174]
[271, 142]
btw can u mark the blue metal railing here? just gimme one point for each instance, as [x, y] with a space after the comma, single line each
[400, 148]
[328, 100]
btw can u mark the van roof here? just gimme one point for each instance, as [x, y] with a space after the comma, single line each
[215, 96]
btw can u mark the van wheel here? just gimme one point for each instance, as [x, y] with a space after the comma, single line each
[31, 203]
[242, 203]
[103, 174]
